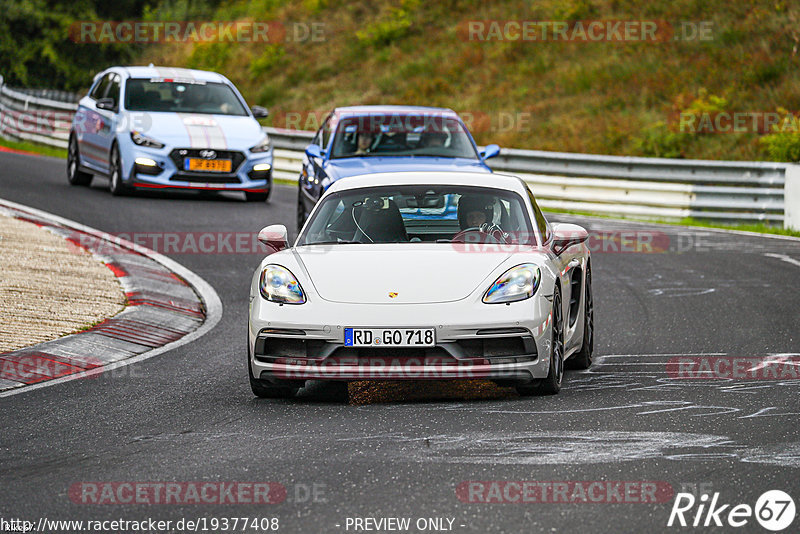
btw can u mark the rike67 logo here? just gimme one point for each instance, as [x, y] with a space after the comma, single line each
[774, 510]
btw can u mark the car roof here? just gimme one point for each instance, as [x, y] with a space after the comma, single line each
[351, 111]
[497, 181]
[173, 72]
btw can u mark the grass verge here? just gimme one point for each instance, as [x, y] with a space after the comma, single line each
[26, 146]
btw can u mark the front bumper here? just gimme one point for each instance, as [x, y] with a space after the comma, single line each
[168, 175]
[509, 344]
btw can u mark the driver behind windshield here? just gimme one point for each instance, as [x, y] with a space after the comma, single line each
[475, 211]
[477, 214]
[364, 145]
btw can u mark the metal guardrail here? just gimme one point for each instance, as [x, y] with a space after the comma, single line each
[746, 191]
[34, 115]
[56, 95]
[617, 185]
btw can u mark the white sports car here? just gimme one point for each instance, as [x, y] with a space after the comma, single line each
[422, 276]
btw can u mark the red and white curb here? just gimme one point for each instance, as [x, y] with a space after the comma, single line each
[168, 306]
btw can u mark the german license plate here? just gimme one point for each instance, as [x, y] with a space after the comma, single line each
[389, 337]
[210, 165]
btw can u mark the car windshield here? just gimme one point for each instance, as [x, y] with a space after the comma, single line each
[402, 135]
[182, 96]
[419, 214]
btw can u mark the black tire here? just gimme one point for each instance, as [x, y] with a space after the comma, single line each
[583, 358]
[256, 197]
[74, 174]
[115, 185]
[552, 384]
[301, 210]
[265, 390]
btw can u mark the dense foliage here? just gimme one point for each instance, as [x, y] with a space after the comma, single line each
[597, 97]
[39, 46]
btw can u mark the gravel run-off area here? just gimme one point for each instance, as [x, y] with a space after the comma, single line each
[49, 287]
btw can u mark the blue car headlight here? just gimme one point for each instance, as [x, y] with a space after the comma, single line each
[263, 146]
[517, 283]
[279, 285]
[143, 140]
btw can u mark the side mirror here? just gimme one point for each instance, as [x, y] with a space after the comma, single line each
[565, 235]
[490, 151]
[314, 151]
[259, 112]
[274, 237]
[107, 104]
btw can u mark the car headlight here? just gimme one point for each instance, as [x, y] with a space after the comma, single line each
[143, 140]
[279, 285]
[517, 283]
[263, 146]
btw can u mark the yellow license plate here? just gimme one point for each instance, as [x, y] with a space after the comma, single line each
[212, 165]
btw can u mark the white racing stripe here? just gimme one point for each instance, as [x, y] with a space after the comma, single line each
[204, 131]
[172, 72]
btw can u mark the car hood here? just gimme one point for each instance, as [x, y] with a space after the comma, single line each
[342, 168]
[415, 273]
[192, 130]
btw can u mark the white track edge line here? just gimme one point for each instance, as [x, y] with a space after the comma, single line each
[783, 257]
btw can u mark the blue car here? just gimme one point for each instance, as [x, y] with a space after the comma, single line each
[370, 139]
[167, 128]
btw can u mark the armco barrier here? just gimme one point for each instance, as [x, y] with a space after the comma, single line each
[616, 185]
[792, 217]
[28, 117]
[732, 191]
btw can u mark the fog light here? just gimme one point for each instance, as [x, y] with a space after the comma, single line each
[262, 167]
[146, 166]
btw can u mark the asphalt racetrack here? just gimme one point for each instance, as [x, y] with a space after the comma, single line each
[188, 415]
